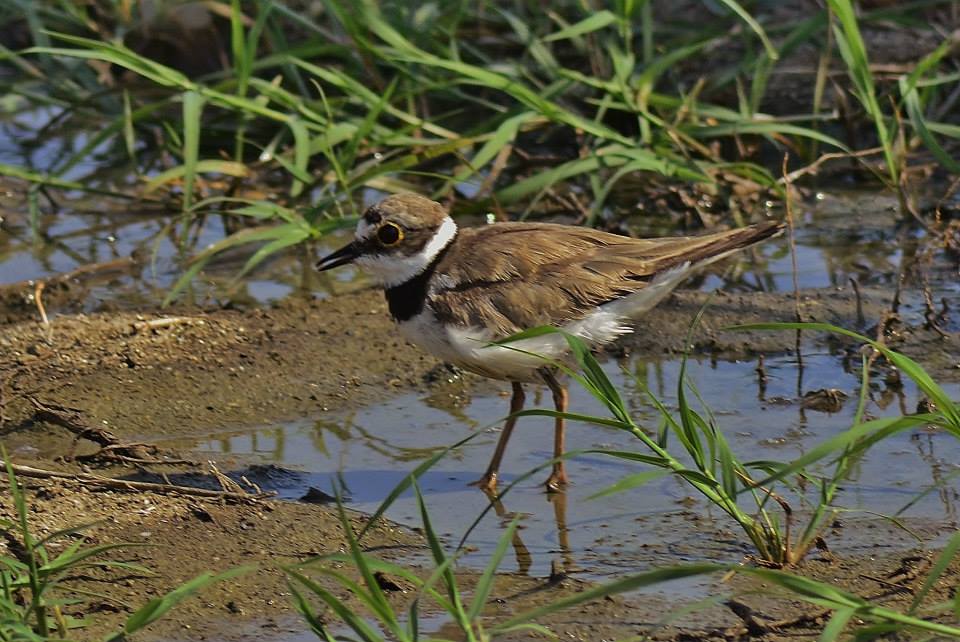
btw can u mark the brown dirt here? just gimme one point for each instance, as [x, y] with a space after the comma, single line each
[186, 536]
[158, 374]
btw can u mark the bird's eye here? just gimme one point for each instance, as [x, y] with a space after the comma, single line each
[389, 234]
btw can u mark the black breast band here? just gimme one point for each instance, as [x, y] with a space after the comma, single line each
[407, 299]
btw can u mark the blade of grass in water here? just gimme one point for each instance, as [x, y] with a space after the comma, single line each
[192, 112]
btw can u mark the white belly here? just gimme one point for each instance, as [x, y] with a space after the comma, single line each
[471, 348]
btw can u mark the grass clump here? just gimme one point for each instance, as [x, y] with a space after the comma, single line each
[439, 591]
[35, 589]
[506, 104]
[692, 446]
[380, 617]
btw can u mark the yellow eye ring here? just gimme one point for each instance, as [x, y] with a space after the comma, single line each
[389, 234]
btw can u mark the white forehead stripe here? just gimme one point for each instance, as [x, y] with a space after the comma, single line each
[364, 229]
[392, 270]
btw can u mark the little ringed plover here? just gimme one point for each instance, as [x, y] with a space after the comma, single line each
[454, 291]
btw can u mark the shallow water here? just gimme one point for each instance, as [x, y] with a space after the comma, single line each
[370, 451]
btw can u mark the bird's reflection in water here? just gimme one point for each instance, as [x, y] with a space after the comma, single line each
[522, 554]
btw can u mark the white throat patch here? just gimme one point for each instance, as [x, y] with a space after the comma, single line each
[391, 271]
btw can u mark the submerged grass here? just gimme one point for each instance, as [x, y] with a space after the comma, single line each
[461, 97]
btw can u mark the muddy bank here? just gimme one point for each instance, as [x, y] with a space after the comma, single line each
[177, 538]
[185, 536]
[159, 374]
[154, 374]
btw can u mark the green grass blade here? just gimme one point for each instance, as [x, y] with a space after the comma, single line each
[373, 597]
[157, 607]
[129, 140]
[38, 179]
[936, 571]
[456, 609]
[629, 482]
[286, 236]
[908, 366]
[763, 129]
[306, 611]
[301, 154]
[823, 594]
[504, 135]
[911, 101]
[854, 54]
[197, 263]
[837, 623]
[405, 50]
[228, 168]
[738, 9]
[604, 158]
[407, 481]
[485, 583]
[629, 455]
[595, 22]
[238, 47]
[356, 623]
[862, 436]
[573, 416]
[632, 583]
[192, 113]
[811, 590]
[944, 128]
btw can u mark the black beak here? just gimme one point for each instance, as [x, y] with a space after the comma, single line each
[344, 255]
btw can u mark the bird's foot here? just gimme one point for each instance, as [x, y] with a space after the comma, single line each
[557, 481]
[487, 483]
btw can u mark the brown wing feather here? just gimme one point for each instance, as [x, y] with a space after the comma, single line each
[512, 276]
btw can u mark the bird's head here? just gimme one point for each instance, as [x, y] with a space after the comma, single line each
[396, 239]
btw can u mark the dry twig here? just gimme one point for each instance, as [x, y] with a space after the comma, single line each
[96, 481]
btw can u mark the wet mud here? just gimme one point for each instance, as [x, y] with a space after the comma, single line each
[150, 375]
[163, 374]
